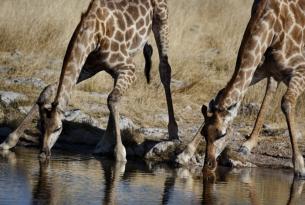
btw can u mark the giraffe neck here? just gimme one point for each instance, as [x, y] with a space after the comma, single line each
[80, 46]
[256, 39]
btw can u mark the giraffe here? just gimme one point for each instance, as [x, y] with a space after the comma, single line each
[273, 48]
[112, 31]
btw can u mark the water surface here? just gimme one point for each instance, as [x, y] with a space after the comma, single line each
[84, 179]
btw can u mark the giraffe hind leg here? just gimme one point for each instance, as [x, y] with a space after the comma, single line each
[148, 52]
[165, 74]
[160, 30]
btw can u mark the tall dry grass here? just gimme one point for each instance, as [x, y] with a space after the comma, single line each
[204, 39]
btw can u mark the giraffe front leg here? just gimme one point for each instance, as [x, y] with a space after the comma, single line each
[253, 139]
[288, 108]
[13, 138]
[184, 157]
[124, 78]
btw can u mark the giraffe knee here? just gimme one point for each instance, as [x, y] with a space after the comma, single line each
[113, 98]
[287, 104]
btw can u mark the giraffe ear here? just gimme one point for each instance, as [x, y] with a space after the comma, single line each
[54, 104]
[47, 110]
[205, 112]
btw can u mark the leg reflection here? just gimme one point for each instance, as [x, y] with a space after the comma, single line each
[209, 193]
[296, 190]
[169, 186]
[112, 173]
[250, 185]
[42, 192]
[8, 156]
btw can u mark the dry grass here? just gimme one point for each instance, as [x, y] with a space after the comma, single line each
[204, 39]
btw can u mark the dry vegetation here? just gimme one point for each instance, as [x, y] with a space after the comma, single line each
[204, 40]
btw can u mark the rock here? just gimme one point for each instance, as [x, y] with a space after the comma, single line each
[24, 109]
[156, 134]
[8, 97]
[26, 81]
[78, 116]
[96, 108]
[249, 109]
[231, 158]
[163, 151]
[127, 124]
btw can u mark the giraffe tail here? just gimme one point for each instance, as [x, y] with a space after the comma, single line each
[147, 51]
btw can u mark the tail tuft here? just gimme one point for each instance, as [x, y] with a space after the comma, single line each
[148, 52]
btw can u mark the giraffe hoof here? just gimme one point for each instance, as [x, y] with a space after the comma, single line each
[4, 146]
[244, 150]
[183, 159]
[120, 153]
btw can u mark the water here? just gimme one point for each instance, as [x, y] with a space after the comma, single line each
[83, 179]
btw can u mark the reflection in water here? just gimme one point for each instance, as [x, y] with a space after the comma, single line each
[168, 190]
[42, 192]
[112, 173]
[76, 179]
[296, 190]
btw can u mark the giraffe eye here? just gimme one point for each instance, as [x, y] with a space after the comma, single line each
[232, 106]
[57, 130]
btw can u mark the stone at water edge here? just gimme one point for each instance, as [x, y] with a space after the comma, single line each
[163, 151]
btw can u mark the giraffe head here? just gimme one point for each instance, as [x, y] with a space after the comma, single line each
[51, 126]
[217, 121]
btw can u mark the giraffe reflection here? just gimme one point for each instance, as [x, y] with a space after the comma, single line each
[112, 173]
[42, 192]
